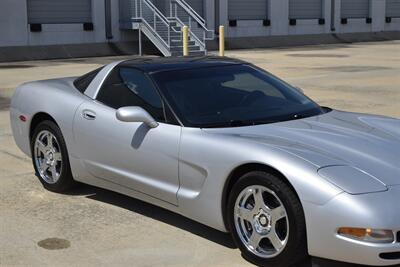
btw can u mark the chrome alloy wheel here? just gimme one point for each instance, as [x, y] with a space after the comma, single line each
[261, 221]
[47, 156]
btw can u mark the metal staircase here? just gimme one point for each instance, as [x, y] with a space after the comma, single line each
[165, 32]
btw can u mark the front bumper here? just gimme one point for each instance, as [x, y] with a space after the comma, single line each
[375, 210]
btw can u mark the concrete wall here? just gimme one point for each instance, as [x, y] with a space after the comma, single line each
[279, 13]
[359, 25]
[14, 29]
[279, 16]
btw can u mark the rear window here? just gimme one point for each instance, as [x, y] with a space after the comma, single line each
[83, 82]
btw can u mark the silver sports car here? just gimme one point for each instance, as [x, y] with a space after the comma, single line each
[226, 144]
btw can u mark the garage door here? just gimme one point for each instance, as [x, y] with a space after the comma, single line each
[393, 8]
[355, 8]
[59, 11]
[247, 10]
[305, 9]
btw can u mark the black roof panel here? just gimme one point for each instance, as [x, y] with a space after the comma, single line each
[157, 64]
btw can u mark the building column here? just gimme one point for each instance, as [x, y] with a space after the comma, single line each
[378, 14]
[326, 13]
[14, 29]
[209, 13]
[279, 16]
[99, 22]
[223, 15]
[338, 15]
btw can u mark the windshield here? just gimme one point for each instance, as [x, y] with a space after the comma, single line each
[234, 95]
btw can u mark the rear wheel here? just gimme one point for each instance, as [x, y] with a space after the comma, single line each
[50, 157]
[266, 220]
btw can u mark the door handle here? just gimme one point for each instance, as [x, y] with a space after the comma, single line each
[89, 115]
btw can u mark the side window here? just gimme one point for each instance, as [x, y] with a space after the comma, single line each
[130, 87]
[84, 81]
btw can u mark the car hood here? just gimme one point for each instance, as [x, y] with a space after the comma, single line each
[366, 142]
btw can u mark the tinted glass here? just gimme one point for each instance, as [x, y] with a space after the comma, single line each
[83, 82]
[235, 95]
[130, 87]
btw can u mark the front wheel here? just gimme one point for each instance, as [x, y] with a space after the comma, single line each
[50, 157]
[266, 220]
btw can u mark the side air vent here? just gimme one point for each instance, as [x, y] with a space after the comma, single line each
[390, 256]
[398, 236]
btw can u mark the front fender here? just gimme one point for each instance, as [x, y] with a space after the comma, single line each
[207, 160]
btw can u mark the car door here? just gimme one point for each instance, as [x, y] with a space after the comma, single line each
[130, 154]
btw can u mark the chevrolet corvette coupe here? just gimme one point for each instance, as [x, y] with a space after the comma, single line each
[226, 144]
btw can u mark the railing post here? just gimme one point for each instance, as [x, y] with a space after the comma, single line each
[155, 20]
[169, 35]
[140, 40]
[204, 41]
[221, 41]
[185, 33]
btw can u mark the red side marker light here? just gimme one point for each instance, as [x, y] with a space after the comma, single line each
[22, 118]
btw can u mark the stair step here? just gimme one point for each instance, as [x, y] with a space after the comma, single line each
[195, 53]
[174, 35]
[174, 39]
[179, 43]
[180, 48]
[174, 23]
[174, 32]
[171, 32]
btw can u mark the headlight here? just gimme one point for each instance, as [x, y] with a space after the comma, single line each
[367, 234]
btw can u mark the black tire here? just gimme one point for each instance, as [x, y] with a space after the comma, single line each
[295, 250]
[65, 181]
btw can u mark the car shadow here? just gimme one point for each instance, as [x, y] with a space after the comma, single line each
[155, 213]
[139, 136]
[179, 221]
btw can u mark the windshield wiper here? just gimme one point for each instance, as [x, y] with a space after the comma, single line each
[236, 123]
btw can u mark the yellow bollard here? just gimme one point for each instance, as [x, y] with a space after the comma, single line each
[185, 41]
[221, 41]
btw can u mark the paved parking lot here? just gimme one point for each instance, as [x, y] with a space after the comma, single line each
[96, 227]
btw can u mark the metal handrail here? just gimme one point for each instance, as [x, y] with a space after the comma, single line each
[157, 34]
[162, 29]
[192, 10]
[193, 14]
[155, 9]
[192, 35]
[163, 19]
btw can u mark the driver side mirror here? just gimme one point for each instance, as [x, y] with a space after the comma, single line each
[136, 114]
